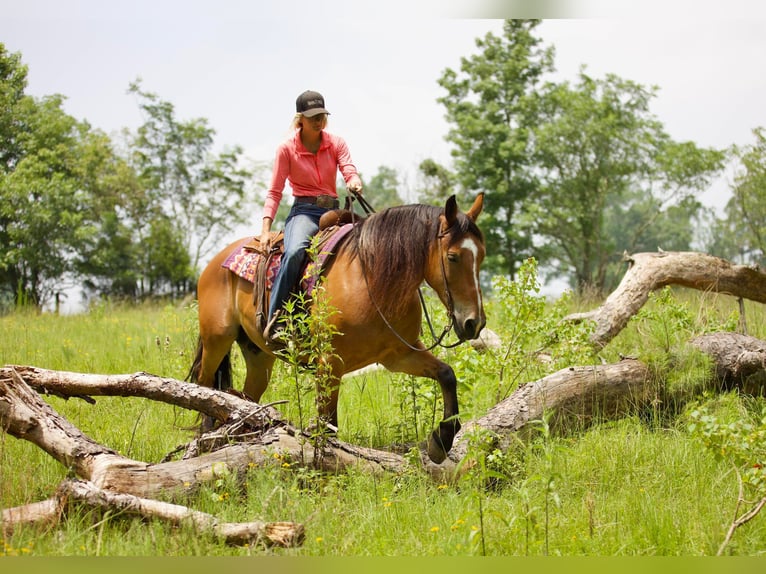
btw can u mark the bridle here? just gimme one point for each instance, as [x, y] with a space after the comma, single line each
[368, 209]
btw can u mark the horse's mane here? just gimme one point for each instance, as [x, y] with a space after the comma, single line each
[392, 247]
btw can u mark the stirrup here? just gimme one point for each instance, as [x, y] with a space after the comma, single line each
[273, 333]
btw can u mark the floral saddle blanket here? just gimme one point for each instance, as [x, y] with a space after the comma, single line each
[249, 262]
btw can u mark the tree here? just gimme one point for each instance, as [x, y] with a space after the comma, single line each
[746, 210]
[13, 83]
[492, 106]
[381, 191]
[609, 174]
[42, 198]
[203, 194]
[438, 182]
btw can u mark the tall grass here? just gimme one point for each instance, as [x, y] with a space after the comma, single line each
[642, 485]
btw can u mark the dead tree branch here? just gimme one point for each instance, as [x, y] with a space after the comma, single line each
[85, 493]
[648, 272]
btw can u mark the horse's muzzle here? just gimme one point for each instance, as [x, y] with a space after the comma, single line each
[469, 328]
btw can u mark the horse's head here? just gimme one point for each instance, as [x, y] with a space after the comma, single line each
[453, 267]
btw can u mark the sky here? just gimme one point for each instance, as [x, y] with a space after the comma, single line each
[241, 65]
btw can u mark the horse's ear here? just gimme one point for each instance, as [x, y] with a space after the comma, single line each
[450, 211]
[476, 208]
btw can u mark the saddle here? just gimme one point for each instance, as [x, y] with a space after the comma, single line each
[259, 266]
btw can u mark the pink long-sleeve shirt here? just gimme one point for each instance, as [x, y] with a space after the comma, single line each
[309, 174]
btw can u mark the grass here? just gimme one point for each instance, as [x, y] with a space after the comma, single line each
[642, 485]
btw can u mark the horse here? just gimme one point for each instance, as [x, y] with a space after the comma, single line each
[372, 282]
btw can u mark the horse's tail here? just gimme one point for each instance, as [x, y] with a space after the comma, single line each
[222, 378]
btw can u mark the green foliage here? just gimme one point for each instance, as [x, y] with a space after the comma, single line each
[73, 211]
[536, 340]
[308, 352]
[617, 488]
[381, 190]
[740, 442]
[491, 104]
[741, 233]
[609, 174]
[586, 170]
[203, 194]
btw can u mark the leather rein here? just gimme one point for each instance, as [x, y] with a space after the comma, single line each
[368, 209]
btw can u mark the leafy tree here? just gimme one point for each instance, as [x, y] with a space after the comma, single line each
[438, 182]
[43, 206]
[492, 104]
[167, 262]
[609, 174]
[13, 83]
[746, 210]
[108, 260]
[203, 194]
[381, 191]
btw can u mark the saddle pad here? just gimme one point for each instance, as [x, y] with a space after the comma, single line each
[243, 261]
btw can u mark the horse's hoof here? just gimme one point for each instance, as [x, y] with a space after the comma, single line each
[436, 451]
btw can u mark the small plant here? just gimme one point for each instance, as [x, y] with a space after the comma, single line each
[742, 444]
[309, 348]
[537, 341]
[664, 320]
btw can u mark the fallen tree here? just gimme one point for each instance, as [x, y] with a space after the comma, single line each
[648, 272]
[251, 434]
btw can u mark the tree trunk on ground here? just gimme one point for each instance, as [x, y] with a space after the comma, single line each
[648, 272]
[252, 433]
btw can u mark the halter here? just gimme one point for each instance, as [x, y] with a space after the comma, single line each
[450, 305]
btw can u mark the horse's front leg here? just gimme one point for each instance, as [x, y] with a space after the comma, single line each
[440, 441]
[328, 377]
[424, 364]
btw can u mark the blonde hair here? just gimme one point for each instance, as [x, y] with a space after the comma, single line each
[297, 122]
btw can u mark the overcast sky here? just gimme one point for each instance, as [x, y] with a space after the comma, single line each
[242, 64]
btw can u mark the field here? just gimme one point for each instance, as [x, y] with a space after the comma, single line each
[643, 485]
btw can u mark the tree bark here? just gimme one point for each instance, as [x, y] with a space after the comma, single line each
[86, 493]
[251, 434]
[648, 272]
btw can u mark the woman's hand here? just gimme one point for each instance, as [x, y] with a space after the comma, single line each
[265, 238]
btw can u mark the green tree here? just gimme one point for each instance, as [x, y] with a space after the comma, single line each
[609, 174]
[746, 210]
[202, 194]
[43, 191]
[13, 83]
[492, 104]
[438, 182]
[381, 190]
[167, 262]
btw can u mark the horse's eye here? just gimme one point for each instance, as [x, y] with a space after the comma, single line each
[452, 256]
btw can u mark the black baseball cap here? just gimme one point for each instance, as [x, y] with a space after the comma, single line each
[310, 104]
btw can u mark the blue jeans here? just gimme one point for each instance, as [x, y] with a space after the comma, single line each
[301, 225]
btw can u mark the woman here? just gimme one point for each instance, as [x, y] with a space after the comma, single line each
[310, 161]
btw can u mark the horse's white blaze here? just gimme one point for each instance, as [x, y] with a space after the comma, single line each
[471, 246]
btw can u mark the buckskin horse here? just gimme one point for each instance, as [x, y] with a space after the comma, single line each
[372, 282]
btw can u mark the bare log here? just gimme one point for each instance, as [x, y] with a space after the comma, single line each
[221, 406]
[43, 512]
[608, 391]
[25, 415]
[648, 272]
[737, 358]
[284, 534]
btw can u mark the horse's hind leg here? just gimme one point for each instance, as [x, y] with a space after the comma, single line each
[424, 364]
[212, 368]
[259, 366]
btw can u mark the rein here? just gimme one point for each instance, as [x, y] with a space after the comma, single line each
[368, 209]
